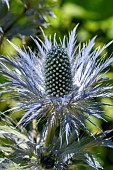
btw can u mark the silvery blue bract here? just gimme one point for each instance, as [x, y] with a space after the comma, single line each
[68, 108]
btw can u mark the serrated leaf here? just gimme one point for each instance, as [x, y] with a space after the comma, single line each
[93, 162]
[11, 130]
[5, 149]
[6, 164]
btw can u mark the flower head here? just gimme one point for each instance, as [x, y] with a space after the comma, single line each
[58, 84]
[57, 73]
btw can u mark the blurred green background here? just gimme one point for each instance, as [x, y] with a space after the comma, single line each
[24, 18]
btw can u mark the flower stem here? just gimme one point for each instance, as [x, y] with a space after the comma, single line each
[50, 133]
[34, 130]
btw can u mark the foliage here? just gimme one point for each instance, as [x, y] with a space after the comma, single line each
[19, 151]
[25, 19]
[20, 19]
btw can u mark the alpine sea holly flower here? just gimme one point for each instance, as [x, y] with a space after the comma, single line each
[58, 84]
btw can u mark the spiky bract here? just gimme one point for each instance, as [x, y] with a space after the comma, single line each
[67, 110]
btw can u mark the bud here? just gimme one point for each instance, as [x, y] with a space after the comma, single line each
[58, 80]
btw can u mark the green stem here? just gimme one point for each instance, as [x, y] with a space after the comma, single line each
[34, 130]
[50, 133]
[15, 21]
[12, 24]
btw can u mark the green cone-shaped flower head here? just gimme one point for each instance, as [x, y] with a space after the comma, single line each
[58, 79]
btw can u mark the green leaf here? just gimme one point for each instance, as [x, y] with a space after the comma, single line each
[6, 164]
[5, 130]
[23, 18]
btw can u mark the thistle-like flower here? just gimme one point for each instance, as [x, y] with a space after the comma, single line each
[58, 84]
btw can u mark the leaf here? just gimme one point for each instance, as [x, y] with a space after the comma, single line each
[12, 136]
[81, 151]
[5, 130]
[23, 19]
[6, 150]
[93, 162]
[20, 152]
[6, 164]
